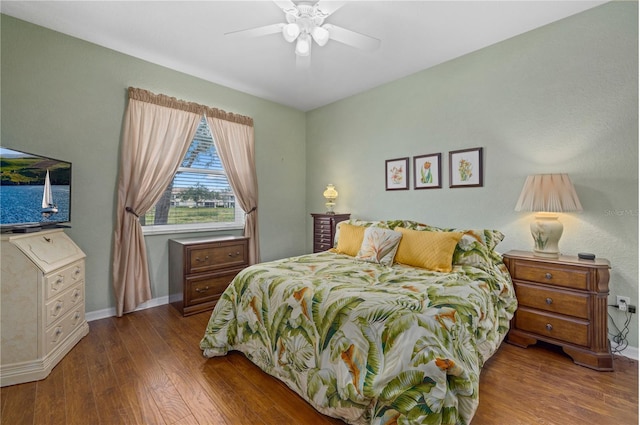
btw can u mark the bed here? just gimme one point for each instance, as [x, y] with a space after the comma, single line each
[390, 326]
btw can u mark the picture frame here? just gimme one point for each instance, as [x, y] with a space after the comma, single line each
[397, 174]
[465, 168]
[427, 171]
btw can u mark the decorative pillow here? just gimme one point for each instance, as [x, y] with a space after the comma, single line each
[379, 245]
[428, 250]
[350, 239]
[360, 223]
[473, 249]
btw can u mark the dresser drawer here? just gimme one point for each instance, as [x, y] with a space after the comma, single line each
[575, 278]
[58, 307]
[552, 326]
[208, 287]
[60, 331]
[215, 257]
[563, 302]
[57, 282]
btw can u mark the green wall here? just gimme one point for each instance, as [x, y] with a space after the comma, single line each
[562, 98]
[65, 98]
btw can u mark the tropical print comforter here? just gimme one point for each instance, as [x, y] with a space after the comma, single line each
[367, 343]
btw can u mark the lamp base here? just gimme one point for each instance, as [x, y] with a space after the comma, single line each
[330, 206]
[546, 231]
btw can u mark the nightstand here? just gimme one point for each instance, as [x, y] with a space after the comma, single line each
[562, 301]
[200, 269]
[324, 229]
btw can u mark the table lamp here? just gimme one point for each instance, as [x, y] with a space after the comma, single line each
[548, 195]
[330, 195]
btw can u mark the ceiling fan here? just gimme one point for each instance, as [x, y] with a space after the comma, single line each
[306, 24]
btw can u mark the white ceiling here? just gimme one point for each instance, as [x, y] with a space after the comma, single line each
[188, 36]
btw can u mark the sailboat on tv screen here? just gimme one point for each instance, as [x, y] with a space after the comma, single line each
[48, 205]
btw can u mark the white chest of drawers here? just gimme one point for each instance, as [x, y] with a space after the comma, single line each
[42, 316]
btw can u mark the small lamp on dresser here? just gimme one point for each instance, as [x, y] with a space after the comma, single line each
[330, 194]
[548, 195]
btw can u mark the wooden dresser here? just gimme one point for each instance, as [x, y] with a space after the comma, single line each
[200, 269]
[324, 229]
[562, 301]
[43, 315]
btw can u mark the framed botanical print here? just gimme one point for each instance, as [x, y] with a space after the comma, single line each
[397, 174]
[427, 173]
[465, 168]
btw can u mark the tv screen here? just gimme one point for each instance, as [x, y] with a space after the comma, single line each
[35, 191]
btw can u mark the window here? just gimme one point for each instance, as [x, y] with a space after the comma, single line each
[199, 197]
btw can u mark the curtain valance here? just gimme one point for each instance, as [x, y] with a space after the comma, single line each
[171, 102]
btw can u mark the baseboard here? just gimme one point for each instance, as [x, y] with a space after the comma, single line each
[629, 352]
[110, 312]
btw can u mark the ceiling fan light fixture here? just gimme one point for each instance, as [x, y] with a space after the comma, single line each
[303, 46]
[291, 31]
[320, 35]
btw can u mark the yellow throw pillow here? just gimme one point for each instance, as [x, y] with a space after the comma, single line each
[428, 250]
[350, 239]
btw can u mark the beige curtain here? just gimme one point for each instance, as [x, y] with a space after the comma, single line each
[234, 139]
[157, 132]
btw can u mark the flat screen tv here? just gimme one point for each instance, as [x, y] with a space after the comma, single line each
[35, 191]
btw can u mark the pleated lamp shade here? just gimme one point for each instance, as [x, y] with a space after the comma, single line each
[547, 195]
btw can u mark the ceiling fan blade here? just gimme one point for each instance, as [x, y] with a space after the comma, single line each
[285, 4]
[257, 32]
[329, 6]
[352, 38]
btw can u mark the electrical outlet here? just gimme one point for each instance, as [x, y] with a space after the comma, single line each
[623, 302]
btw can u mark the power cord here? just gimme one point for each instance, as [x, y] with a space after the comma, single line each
[620, 336]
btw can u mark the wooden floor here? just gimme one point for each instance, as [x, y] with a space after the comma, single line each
[146, 368]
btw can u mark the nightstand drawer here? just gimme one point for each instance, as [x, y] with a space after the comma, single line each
[563, 302]
[203, 288]
[217, 257]
[550, 274]
[553, 326]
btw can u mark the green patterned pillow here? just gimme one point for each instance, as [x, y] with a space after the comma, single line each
[379, 246]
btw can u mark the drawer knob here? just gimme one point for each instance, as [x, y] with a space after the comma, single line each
[549, 301]
[549, 327]
[548, 276]
[201, 290]
[206, 258]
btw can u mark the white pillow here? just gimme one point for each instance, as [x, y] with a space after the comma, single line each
[379, 245]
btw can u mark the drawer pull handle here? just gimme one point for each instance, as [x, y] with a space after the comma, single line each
[548, 276]
[231, 254]
[549, 301]
[549, 327]
[201, 290]
[206, 258]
